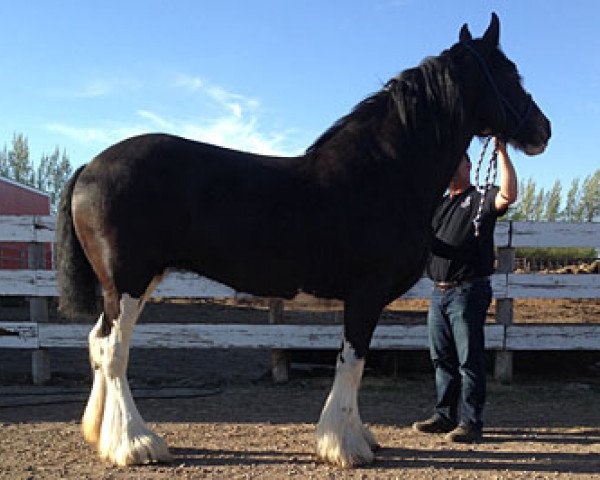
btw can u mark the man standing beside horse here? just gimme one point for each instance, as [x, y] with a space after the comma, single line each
[461, 262]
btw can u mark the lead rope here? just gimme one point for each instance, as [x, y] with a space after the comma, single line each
[492, 171]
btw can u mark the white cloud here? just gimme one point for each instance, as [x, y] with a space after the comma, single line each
[155, 119]
[188, 82]
[238, 133]
[101, 136]
[235, 103]
[94, 88]
[229, 131]
[234, 123]
[90, 89]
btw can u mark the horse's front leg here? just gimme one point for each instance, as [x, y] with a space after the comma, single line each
[111, 419]
[342, 438]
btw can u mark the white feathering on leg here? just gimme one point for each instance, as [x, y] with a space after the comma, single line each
[124, 437]
[94, 410]
[342, 439]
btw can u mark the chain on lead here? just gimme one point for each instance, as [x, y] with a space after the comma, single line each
[490, 179]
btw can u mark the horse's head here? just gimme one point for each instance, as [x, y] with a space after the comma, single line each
[503, 106]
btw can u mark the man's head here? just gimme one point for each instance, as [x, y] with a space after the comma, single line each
[462, 176]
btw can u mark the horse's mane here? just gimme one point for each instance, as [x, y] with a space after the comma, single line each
[427, 93]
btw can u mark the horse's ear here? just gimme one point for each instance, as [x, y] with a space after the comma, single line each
[492, 34]
[465, 35]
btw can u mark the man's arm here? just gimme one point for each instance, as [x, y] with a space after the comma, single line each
[508, 178]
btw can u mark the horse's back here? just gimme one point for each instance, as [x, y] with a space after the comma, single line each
[175, 203]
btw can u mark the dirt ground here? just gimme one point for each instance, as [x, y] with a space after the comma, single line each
[237, 424]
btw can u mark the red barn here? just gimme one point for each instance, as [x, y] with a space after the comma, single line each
[18, 199]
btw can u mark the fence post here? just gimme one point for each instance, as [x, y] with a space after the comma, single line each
[38, 313]
[280, 361]
[503, 363]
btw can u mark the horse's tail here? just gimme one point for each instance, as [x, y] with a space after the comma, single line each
[76, 279]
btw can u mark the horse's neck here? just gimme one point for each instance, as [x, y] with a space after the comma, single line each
[410, 133]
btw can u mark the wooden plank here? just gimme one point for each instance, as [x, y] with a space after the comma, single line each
[502, 237]
[187, 285]
[280, 359]
[15, 228]
[553, 286]
[314, 337]
[42, 283]
[27, 228]
[555, 234]
[204, 336]
[38, 306]
[553, 337]
[415, 337]
[44, 228]
[30, 283]
[401, 337]
[19, 335]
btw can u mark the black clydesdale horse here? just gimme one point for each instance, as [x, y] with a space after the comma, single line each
[349, 219]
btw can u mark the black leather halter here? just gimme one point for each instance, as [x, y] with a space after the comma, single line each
[504, 102]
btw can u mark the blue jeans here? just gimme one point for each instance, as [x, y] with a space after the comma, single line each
[455, 323]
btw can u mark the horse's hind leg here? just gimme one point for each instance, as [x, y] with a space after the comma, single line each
[94, 410]
[111, 420]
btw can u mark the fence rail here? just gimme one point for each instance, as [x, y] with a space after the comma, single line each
[504, 337]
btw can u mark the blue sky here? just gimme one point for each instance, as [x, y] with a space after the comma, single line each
[270, 76]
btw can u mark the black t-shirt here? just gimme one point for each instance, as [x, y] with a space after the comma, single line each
[457, 254]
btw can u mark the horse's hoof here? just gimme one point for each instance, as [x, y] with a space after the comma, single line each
[345, 459]
[350, 462]
[143, 449]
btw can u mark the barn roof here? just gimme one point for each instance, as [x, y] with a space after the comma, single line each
[22, 186]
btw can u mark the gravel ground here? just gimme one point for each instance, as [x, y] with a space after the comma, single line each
[245, 427]
[545, 425]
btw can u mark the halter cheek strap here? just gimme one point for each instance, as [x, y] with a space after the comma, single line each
[502, 100]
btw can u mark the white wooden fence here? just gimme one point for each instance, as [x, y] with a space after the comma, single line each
[503, 336]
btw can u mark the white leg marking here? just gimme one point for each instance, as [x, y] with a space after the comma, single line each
[124, 438]
[94, 411]
[342, 439]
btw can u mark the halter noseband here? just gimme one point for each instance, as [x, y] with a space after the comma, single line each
[504, 102]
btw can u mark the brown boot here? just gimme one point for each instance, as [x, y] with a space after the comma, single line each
[465, 434]
[435, 424]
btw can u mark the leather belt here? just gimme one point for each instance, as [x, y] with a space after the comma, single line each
[445, 286]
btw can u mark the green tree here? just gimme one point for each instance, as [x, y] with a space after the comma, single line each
[539, 206]
[553, 202]
[524, 209]
[590, 197]
[4, 165]
[21, 167]
[60, 176]
[52, 173]
[570, 212]
[49, 176]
